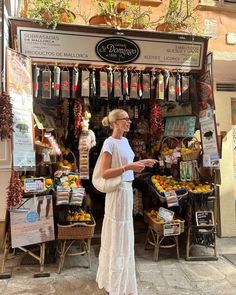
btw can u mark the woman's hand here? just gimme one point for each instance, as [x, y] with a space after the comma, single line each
[135, 166]
[149, 162]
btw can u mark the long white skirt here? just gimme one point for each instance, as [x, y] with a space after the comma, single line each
[116, 270]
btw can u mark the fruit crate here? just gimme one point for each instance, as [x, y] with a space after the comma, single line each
[181, 193]
[77, 230]
[158, 226]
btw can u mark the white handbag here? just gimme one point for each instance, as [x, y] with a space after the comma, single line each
[111, 184]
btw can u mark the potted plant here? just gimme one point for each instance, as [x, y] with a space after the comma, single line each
[51, 12]
[110, 13]
[179, 16]
[140, 19]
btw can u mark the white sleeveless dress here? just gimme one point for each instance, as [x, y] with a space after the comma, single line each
[116, 271]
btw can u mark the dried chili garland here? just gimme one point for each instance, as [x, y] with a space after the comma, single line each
[78, 115]
[156, 121]
[14, 191]
[6, 117]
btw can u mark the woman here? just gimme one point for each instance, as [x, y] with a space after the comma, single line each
[116, 271]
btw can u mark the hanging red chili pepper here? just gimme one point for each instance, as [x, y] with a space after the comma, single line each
[156, 121]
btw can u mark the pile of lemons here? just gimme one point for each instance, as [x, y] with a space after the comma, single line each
[78, 216]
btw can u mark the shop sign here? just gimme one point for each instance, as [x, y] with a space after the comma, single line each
[117, 50]
[61, 46]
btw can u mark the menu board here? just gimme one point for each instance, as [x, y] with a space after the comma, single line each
[204, 218]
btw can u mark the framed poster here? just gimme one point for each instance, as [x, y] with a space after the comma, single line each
[183, 126]
[32, 223]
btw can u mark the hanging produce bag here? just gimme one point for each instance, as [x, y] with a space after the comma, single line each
[171, 89]
[166, 76]
[117, 85]
[178, 88]
[125, 83]
[85, 83]
[146, 86]
[160, 87]
[153, 85]
[110, 82]
[57, 74]
[93, 88]
[103, 85]
[46, 81]
[36, 72]
[65, 83]
[134, 85]
[75, 83]
[185, 88]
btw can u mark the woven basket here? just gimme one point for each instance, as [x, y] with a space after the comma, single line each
[169, 142]
[158, 227]
[76, 231]
[191, 155]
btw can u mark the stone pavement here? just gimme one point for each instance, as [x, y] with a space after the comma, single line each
[168, 276]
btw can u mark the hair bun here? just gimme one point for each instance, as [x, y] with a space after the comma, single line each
[105, 121]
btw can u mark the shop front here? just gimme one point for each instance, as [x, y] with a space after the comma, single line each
[62, 83]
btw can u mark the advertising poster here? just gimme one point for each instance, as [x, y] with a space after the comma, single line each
[183, 126]
[23, 144]
[209, 139]
[233, 119]
[33, 222]
[19, 80]
[19, 87]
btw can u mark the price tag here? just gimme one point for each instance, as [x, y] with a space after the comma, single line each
[171, 229]
[165, 214]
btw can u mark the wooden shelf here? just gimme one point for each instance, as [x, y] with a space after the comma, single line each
[216, 7]
[153, 3]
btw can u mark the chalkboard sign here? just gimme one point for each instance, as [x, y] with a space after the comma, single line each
[204, 218]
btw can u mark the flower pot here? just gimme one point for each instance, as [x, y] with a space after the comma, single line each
[67, 16]
[98, 20]
[113, 21]
[139, 26]
[124, 24]
[104, 20]
[166, 27]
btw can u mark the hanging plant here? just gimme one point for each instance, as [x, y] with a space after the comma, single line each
[6, 117]
[14, 191]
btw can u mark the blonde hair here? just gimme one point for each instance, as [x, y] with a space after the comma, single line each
[112, 117]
